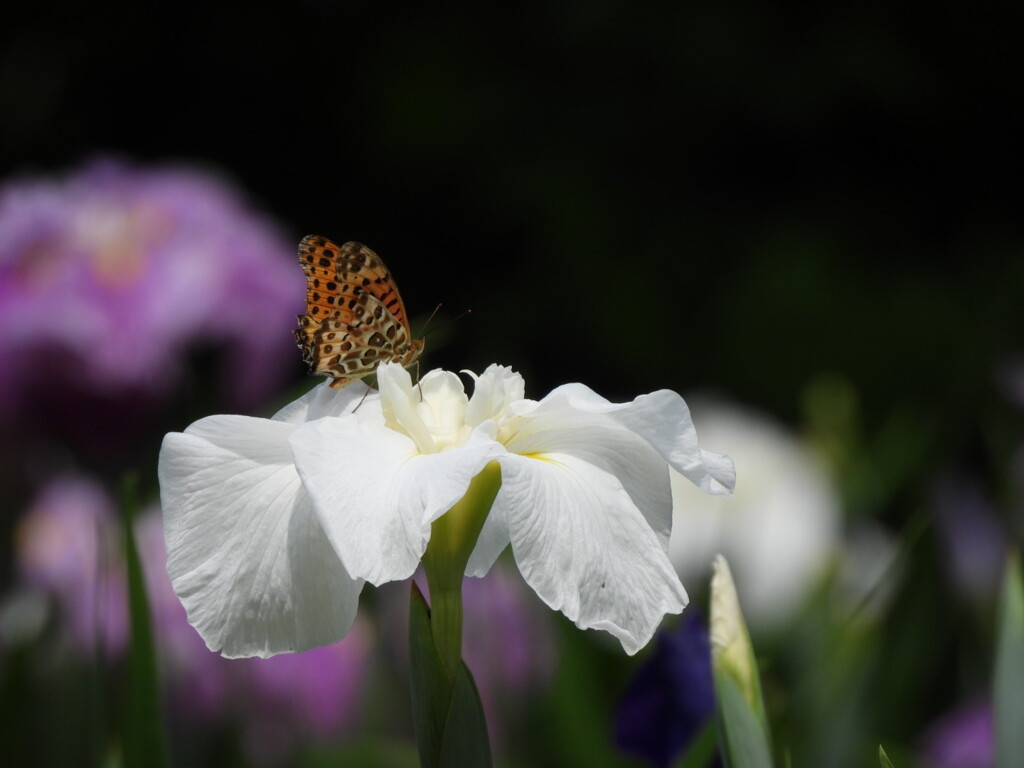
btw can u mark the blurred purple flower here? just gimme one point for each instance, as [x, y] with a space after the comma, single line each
[298, 698]
[971, 538]
[281, 702]
[198, 681]
[67, 547]
[507, 640]
[109, 274]
[1010, 379]
[962, 739]
[671, 698]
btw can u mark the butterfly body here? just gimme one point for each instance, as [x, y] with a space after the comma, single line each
[355, 319]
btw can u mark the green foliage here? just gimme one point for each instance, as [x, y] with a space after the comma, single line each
[575, 720]
[450, 728]
[142, 737]
[745, 736]
[1009, 671]
[702, 749]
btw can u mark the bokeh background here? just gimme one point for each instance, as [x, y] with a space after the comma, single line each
[807, 221]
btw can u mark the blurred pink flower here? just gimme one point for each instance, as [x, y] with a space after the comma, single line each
[280, 702]
[198, 681]
[508, 640]
[971, 537]
[108, 275]
[67, 546]
[299, 698]
[963, 738]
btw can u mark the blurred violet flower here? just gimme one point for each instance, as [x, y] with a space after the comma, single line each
[962, 739]
[109, 274]
[508, 643]
[296, 699]
[780, 528]
[508, 640]
[1010, 379]
[198, 681]
[671, 698]
[281, 702]
[68, 548]
[971, 538]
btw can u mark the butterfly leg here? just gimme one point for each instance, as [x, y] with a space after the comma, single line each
[361, 399]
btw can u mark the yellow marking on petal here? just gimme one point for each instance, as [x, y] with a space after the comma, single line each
[539, 457]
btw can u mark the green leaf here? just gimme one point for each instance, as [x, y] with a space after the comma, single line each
[1009, 669]
[883, 758]
[574, 720]
[143, 738]
[431, 688]
[465, 732]
[451, 731]
[364, 752]
[746, 740]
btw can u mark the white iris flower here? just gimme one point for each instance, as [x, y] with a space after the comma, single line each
[273, 525]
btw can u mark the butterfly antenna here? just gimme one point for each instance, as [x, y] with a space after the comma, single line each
[457, 317]
[433, 314]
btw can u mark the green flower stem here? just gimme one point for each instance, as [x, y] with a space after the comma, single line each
[452, 539]
[446, 623]
[451, 731]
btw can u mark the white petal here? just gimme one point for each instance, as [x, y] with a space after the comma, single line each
[492, 542]
[663, 420]
[322, 401]
[607, 445]
[376, 496]
[245, 552]
[399, 398]
[585, 548]
[444, 396]
[493, 392]
[442, 408]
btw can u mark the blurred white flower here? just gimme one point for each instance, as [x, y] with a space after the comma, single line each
[778, 530]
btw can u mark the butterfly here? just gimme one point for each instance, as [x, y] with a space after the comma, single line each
[355, 319]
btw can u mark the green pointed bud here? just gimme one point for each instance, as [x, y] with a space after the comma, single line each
[731, 650]
[737, 685]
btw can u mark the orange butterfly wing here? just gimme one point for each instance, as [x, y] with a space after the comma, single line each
[355, 318]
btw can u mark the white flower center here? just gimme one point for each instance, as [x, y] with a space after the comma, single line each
[436, 413]
[432, 413]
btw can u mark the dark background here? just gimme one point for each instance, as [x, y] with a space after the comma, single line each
[724, 194]
[816, 212]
